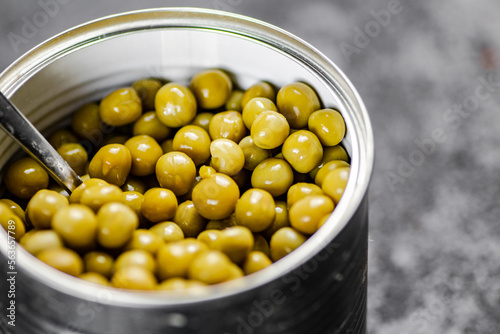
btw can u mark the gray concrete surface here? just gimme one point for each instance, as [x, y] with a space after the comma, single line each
[427, 72]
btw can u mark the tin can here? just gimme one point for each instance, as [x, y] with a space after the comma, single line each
[318, 288]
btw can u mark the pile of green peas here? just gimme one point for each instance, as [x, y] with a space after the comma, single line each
[187, 185]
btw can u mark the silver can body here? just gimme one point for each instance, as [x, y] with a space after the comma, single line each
[319, 288]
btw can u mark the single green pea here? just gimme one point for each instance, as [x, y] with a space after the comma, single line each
[25, 177]
[273, 175]
[227, 125]
[215, 197]
[328, 125]
[123, 106]
[175, 105]
[297, 101]
[176, 171]
[112, 163]
[212, 88]
[145, 152]
[303, 150]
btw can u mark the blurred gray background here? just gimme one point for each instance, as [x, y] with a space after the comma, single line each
[427, 72]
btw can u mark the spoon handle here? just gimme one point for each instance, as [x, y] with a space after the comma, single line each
[16, 125]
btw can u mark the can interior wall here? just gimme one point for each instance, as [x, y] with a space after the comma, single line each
[323, 283]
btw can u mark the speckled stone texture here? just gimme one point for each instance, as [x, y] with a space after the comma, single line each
[427, 72]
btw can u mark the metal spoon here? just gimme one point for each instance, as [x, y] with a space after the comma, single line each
[16, 125]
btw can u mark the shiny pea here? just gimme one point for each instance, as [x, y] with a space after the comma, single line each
[284, 241]
[254, 155]
[306, 213]
[234, 101]
[37, 240]
[96, 196]
[209, 237]
[327, 168]
[335, 183]
[202, 120]
[255, 210]
[234, 272]
[255, 261]
[43, 206]
[269, 130]
[303, 151]
[167, 231]
[76, 157]
[99, 262]
[210, 267]
[116, 223]
[228, 125]
[328, 125]
[212, 88]
[134, 278]
[280, 219]
[259, 89]
[335, 153]
[25, 177]
[134, 200]
[174, 258]
[330, 153]
[122, 106]
[297, 101]
[206, 171]
[189, 220]
[76, 195]
[86, 122]
[16, 208]
[145, 152]
[254, 108]
[145, 240]
[215, 197]
[227, 156]
[112, 163]
[301, 190]
[176, 171]
[193, 141]
[136, 257]
[159, 205]
[236, 242]
[62, 259]
[175, 105]
[273, 175]
[76, 224]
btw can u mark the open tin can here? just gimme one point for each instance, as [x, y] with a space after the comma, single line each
[318, 288]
